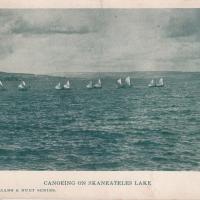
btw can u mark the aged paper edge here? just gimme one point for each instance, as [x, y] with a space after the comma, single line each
[99, 3]
[163, 185]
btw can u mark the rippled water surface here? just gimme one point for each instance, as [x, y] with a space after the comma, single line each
[137, 128]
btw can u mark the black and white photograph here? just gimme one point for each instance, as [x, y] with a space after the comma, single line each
[100, 89]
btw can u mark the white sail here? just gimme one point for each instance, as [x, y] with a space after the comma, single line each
[119, 81]
[58, 86]
[89, 85]
[128, 81]
[99, 81]
[2, 86]
[98, 84]
[160, 82]
[23, 83]
[67, 85]
[152, 83]
[22, 86]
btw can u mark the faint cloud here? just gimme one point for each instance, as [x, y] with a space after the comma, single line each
[23, 27]
[46, 40]
[46, 22]
[183, 23]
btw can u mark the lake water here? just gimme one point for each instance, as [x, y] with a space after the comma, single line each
[137, 128]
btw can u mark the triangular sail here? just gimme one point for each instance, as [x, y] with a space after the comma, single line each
[2, 86]
[99, 81]
[128, 81]
[161, 82]
[22, 86]
[67, 85]
[119, 81]
[98, 84]
[89, 85]
[58, 86]
[152, 83]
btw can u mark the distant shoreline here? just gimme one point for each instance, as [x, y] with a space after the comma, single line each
[60, 74]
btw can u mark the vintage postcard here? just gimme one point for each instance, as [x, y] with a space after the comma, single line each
[99, 100]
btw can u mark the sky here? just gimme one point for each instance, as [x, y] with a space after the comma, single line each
[43, 41]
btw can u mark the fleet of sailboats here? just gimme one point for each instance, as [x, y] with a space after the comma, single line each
[120, 84]
[153, 83]
[66, 86]
[97, 85]
[126, 83]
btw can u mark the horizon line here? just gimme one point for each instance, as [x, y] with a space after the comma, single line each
[81, 72]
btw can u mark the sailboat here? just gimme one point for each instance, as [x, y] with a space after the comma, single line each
[160, 83]
[119, 83]
[23, 86]
[2, 86]
[58, 86]
[152, 83]
[128, 81]
[89, 85]
[67, 85]
[98, 84]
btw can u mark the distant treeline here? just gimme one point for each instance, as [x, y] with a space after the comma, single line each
[10, 78]
[14, 77]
